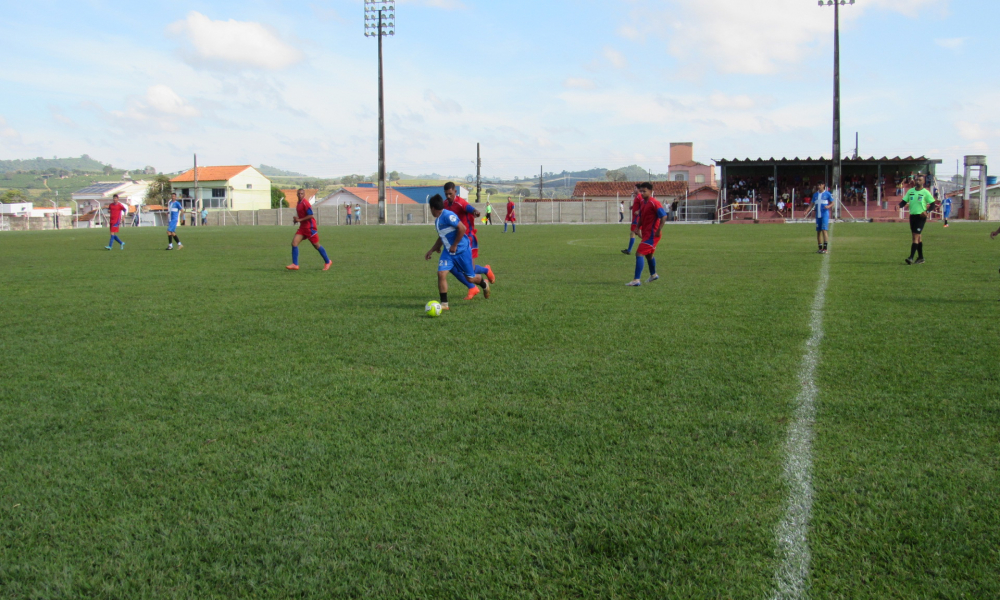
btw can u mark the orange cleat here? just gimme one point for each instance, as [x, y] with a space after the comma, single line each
[326, 267]
[473, 292]
[292, 267]
[490, 275]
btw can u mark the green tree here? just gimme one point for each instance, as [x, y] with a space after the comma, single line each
[491, 191]
[278, 198]
[394, 175]
[520, 191]
[13, 197]
[108, 170]
[158, 191]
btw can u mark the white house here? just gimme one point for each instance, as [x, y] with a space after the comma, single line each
[239, 187]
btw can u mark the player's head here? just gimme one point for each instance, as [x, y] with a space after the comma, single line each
[646, 189]
[821, 187]
[114, 198]
[301, 193]
[173, 195]
[436, 202]
[449, 191]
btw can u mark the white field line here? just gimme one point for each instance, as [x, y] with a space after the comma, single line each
[792, 576]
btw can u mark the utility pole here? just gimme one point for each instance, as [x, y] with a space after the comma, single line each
[836, 158]
[479, 163]
[380, 20]
[541, 182]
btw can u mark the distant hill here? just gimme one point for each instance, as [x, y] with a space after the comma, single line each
[83, 163]
[276, 172]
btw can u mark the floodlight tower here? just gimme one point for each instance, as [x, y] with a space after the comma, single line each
[380, 21]
[835, 184]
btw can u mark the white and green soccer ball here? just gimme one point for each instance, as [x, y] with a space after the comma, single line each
[433, 309]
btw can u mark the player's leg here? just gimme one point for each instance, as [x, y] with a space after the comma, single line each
[651, 261]
[819, 238]
[920, 246]
[639, 263]
[505, 221]
[295, 252]
[631, 242]
[322, 252]
[443, 288]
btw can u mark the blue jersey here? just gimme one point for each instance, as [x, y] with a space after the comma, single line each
[447, 228]
[821, 203]
[175, 211]
[947, 206]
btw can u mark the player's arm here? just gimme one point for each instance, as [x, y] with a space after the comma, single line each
[995, 233]
[435, 248]
[472, 210]
[461, 234]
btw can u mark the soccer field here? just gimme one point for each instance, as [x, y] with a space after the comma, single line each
[203, 423]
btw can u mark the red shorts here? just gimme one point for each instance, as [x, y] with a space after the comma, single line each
[114, 228]
[510, 218]
[309, 232]
[646, 249]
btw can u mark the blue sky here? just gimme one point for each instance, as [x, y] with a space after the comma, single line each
[564, 84]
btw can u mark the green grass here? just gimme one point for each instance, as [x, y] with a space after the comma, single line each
[202, 423]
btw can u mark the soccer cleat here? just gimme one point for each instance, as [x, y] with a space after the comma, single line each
[486, 289]
[945, 224]
[107, 247]
[473, 292]
[326, 267]
[490, 275]
[170, 247]
[820, 251]
[179, 245]
[634, 283]
[444, 306]
[626, 252]
[292, 267]
[909, 261]
[123, 245]
[919, 261]
[652, 278]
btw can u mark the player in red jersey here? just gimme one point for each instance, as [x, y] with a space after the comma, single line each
[307, 231]
[637, 201]
[116, 212]
[651, 218]
[510, 218]
[468, 215]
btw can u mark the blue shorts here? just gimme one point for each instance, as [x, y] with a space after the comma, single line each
[460, 263]
[947, 213]
[172, 227]
[823, 224]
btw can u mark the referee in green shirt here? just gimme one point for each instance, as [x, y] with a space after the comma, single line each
[920, 201]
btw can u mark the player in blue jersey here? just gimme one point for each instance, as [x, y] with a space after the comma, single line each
[946, 209]
[821, 202]
[176, 210]
[456, 252]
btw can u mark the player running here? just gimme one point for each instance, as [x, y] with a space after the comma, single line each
[920, 201]
[510, 218]
[307, 231]
[116, 210]
[457, 259]
[651, 218]
[176, 214]
[946, 206]
[636, 207]
[468, 215]
[821, 202]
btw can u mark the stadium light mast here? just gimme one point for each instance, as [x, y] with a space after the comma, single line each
[380, 21]
[836, 158]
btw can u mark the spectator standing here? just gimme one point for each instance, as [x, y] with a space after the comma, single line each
[204, 216]
[621, 211]
[348, 205]
[674, 207]
[357, 214]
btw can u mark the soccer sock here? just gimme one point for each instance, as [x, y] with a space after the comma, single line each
[913, 250]
[631, 242]
[117, 239]
[465, 281]
[505, 227]
[177, 239]
[920, 250]
[946, 221]
[170, 239]
[481, 270]
[111, 242]
[322, 252]
[638, 267]
[295, 255]
[652, 265]
[513, 228]
[444, 297]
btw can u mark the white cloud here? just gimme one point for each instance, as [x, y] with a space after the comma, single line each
[725, 101]
[616, 58]
[445, 107]
[950, 43]
[161, 106]
[59, 117]
[244, 43]
[6, 131]
[165, 100]
[445, 4]
[579, 83]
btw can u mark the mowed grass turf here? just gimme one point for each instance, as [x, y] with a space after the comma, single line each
[202, 423]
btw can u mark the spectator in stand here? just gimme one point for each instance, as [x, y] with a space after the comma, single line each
[781, 208]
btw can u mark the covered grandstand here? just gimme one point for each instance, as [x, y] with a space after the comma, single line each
[871, 186]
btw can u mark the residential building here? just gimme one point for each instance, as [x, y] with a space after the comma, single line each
[292, 196]
[683, 167]
[363, 195]
[99, 195]
[239, 187]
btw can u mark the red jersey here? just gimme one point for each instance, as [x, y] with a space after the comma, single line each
[649, 219]
[304, 211]
[636, 208]
[510, 209]
[116, 209]
[465, 212]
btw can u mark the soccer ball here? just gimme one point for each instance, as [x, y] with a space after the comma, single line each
[433, 309]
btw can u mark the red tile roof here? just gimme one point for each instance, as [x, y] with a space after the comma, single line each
[625, 189]
[212, 173]
[370, 195]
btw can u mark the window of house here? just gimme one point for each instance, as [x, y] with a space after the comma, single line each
[249, 186]
[218, 192]
[699, 179]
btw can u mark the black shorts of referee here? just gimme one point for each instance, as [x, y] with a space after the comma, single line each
[917, 222]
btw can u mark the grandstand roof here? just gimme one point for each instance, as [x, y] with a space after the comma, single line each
[212, 173]
[747, 162]
[604, 189]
